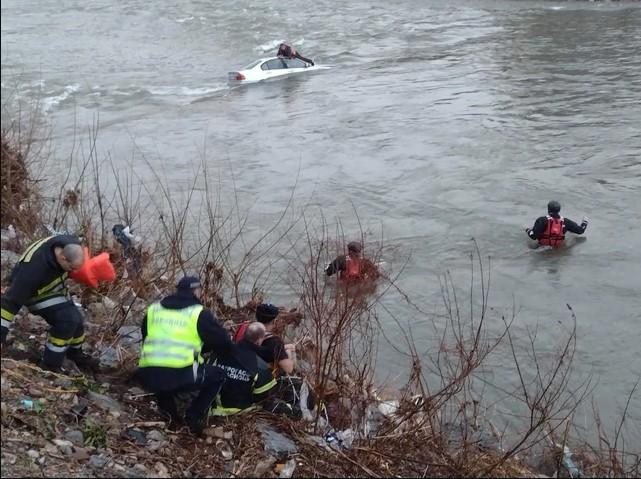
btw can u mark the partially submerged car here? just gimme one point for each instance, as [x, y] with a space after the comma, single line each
[271, 67]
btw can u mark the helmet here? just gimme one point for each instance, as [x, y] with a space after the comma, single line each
[354, 247]
[554, 207]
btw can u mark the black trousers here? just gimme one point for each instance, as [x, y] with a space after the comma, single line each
[167, 382]
[67, 332]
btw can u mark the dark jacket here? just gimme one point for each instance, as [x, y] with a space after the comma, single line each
[568, 225]
[286, 51]
[273, 349]
[214, 337]
[37, 268]
[249, 378]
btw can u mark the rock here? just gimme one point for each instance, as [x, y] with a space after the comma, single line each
[104, 402]
[97, 310]
[161, 470]
[276, 443]
[217, 432]
[263, 466]
[51, 448]
[66, 447]
[8, 458]
[33, 454]
[140, 468]
[130, 335]
[288, 469]
[76, 437]
[35, 392]
[228, 435]
[138, 436]
[64, 383]
[98, 461]
[109, 303]
[156, 440]
[8, 259]
[42, 460]
[5, 409]
[80, 454]
[109, 358]
[136, 391]
[7, 237]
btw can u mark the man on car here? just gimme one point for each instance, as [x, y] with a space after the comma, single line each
[286, 51]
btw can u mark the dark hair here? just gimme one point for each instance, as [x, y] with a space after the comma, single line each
[266, 313]
[354, 247]
[554, 207]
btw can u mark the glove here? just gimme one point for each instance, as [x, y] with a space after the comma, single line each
[585, 220]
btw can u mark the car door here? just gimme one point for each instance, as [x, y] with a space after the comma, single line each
[274, 67]
[295, 63]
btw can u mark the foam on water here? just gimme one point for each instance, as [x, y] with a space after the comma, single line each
[49, 103]
[184, 91]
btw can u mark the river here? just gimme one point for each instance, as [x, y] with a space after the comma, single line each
[439, 121]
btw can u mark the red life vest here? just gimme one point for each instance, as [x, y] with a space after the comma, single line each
[240, 332]
[352, 269]
[554, 233]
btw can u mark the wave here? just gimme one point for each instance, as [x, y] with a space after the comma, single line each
[48, 103]
[184, 91]
[186, 19]
[271, 45]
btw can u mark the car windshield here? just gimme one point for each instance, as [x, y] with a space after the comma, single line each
[251, 65]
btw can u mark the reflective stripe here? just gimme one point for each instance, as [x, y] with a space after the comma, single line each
[58, 341]
[55, 285]
[169, 342]
[162, 355]
[5, 323]
[26, 256]
[228, 411]
[56, 349]
[265, 388]
[78, 340]
[8, 315]
[48, 303]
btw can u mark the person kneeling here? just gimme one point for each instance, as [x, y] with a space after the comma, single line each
[175, 331]
[249, 378]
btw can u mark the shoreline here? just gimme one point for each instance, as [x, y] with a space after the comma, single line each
[423, 425]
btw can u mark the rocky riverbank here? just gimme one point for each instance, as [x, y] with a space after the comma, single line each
[106, 425]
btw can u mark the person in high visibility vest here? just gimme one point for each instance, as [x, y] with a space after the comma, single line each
[550, 230]
[38, 282]
[176, 331]
[352, 267]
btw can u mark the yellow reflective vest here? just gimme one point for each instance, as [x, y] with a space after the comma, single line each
[172, 337]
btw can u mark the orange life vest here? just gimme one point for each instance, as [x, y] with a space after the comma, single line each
[554, 233]
[352, 269]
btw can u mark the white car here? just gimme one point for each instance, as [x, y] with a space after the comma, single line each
[271, 67]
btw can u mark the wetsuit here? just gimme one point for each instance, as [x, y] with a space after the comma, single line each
[38, 282]
[286, 51]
